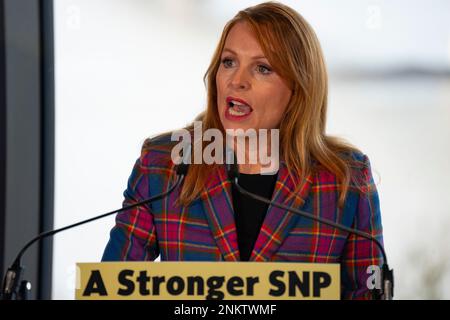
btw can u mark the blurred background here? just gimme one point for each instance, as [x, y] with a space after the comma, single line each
[126, 70]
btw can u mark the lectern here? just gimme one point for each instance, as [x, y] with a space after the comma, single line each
[207, 281]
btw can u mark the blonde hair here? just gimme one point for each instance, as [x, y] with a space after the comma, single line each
[280, 29]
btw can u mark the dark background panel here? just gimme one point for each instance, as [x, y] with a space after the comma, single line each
[47, 146]
[2, 140]
[26, 147]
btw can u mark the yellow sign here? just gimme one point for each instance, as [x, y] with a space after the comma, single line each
[207, 280]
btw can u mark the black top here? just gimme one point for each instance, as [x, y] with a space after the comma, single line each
[250, 213]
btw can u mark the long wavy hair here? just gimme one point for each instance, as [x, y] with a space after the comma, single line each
[293, 49]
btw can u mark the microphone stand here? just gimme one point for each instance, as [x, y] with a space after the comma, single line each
[14, 288]
[387, 275]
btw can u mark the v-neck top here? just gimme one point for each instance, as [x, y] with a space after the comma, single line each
[250, 213]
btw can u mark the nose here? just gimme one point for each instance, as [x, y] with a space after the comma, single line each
[240, 79]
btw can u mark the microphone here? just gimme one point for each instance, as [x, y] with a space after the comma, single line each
[15, 289]
[387, 275]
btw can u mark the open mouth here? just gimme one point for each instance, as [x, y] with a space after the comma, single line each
[237, 108]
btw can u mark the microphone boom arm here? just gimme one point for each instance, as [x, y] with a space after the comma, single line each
[386, 291]
[12, 280]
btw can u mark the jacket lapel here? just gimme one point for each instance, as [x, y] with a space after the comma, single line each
[278, 222]
[218, 206]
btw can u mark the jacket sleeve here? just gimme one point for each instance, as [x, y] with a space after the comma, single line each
[134, 235]
[360, 253]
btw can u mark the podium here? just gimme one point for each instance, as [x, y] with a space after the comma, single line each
[207, 281]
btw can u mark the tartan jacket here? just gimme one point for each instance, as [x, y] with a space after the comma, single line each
[205, 230]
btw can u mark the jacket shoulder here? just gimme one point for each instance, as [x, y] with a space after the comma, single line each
[358, 166]
[361, 172]
[156, 152]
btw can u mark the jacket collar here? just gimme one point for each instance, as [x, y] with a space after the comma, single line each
[218, 205]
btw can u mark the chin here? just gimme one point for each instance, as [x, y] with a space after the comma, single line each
[235, 126]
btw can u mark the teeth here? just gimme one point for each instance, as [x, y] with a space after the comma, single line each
[237, 103]
[237, 108]
[235, 112]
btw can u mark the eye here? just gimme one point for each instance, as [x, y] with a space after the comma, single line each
[264, 69]
[227, 62]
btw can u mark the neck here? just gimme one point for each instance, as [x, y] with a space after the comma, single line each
[250, 168]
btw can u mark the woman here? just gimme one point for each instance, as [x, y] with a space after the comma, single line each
[267, 72]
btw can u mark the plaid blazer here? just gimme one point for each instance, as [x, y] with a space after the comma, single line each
[205, 230]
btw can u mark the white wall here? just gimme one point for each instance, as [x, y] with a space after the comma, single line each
[128, 69]
[123, 72]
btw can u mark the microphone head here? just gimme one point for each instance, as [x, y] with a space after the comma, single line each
[231, 166]
[182, 169]
[232, 171]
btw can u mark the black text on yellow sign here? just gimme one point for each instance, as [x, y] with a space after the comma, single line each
[207, 280]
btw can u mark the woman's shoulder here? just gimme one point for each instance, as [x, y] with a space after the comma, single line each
[357, 165]
[357, 159]
[354, 158]
[360, 171]
[156, 151]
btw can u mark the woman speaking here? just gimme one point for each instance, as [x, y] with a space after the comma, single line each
[267, 74]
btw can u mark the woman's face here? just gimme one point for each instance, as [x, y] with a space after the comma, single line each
[249, 93]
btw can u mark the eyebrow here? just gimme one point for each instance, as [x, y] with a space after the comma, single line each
[255, 57]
